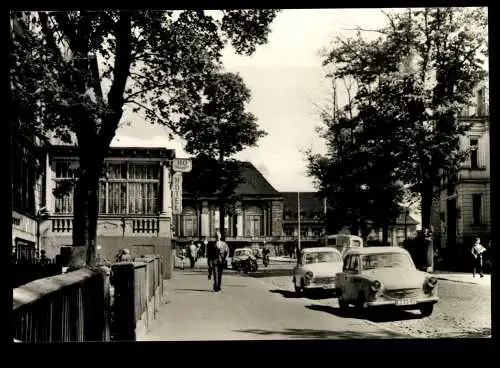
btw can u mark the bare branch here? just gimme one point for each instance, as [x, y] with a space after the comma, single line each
[391, 20]
[365, 30]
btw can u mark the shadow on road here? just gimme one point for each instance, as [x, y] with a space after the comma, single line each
[271, 272]
[318, 295]
[382, 315]
[324, 334]
[201, 290]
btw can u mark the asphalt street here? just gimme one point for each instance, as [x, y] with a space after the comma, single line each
[248, 308]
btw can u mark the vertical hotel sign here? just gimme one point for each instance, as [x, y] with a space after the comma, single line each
[180, 165]
[177, 193]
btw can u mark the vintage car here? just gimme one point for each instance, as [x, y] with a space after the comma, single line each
[316, 269]
[385, 276]
[342, 242]
[241, 255]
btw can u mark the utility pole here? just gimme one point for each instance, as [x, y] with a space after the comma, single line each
[298, 222]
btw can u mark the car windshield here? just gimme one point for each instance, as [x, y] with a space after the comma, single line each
[382, 260]
[242, 252]
[321, 257]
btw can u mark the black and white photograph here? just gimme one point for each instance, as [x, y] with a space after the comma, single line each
[250, 174]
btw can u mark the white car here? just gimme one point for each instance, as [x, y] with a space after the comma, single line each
[316, 269]
[385, 276]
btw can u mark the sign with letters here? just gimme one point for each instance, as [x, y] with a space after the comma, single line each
[182, 165]
[177, 193]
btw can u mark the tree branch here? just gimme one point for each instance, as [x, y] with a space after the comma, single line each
[365, 30]
[168, 125]
[121, 72]
[49, 34]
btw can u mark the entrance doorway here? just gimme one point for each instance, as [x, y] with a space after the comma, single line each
[451, 219]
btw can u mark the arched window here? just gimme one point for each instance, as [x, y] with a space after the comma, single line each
[189, 222]
[254, 221]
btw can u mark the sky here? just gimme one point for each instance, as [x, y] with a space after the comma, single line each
[286, 79]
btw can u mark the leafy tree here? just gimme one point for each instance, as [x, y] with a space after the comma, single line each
[219, 128]
[357, 181]
[411, 83]
[152, 60]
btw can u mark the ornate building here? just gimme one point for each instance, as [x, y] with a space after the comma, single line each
[257, 214]
[462, 211]
[135, 207]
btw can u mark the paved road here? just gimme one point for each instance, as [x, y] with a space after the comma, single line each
[247, 308]
[464, 309]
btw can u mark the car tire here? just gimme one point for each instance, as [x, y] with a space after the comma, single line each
[426, 310]
[360, 302]
[299, 290]
[343, 304]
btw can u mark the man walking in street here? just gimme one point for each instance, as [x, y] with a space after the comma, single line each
[477, 252]
[209, 255]
[193, 254]
[217, 252]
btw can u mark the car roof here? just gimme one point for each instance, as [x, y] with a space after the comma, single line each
[245, 248]
[377, 250]
[345, 235]
[320, 249]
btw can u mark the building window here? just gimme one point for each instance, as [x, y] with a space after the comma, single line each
[476, 209]
[254, 217]
[400, 237]
[189, 222]
[24, 165]
[289, 232]
[303, 233]
[317, 233]
[64, 173]
[480, 102]
[474, 164]
[130, 188]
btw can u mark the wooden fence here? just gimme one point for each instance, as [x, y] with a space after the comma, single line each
[27, 270]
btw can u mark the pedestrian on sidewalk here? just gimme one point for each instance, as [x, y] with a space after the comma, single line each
[219, 253]
[193, 254]
[210, 256]
[477, 252]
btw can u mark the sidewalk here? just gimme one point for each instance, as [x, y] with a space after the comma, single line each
[463, 277]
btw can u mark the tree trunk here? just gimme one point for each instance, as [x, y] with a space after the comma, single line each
[427, 197]
[385, 233]
[86, 208]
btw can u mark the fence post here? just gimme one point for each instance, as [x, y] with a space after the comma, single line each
[124, 321]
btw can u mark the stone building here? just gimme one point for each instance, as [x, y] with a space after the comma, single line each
[135, 208]
[27, 153]
[257, 214]
[462, 211]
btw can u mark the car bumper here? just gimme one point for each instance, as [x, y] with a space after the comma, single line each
[408, 303]
[320, 287]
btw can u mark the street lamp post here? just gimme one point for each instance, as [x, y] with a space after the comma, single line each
[298, 221]
[406, 217]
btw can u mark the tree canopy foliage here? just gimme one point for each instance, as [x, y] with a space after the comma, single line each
[155, 61]
[411, 83]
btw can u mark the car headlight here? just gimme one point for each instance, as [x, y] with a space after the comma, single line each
[309, 275]
[375, 286]
[431, 282]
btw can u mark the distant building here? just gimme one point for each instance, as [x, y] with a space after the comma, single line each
[462, 211]
[256, 217]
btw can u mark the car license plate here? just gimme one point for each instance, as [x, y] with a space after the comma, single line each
[405, 302]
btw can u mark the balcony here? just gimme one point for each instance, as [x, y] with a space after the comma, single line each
[62, 225]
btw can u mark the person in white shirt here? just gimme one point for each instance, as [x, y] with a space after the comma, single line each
[477, 252]
[193, 254]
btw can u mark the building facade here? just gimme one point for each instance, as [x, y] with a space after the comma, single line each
[256, 215]
[462, 210]
[27, 191]
[135, 202]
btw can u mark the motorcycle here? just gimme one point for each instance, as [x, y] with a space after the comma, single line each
[249, 265]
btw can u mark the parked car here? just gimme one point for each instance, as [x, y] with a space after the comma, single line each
[385, 276]
[316, 269]
[342, 242]
[241, 255]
